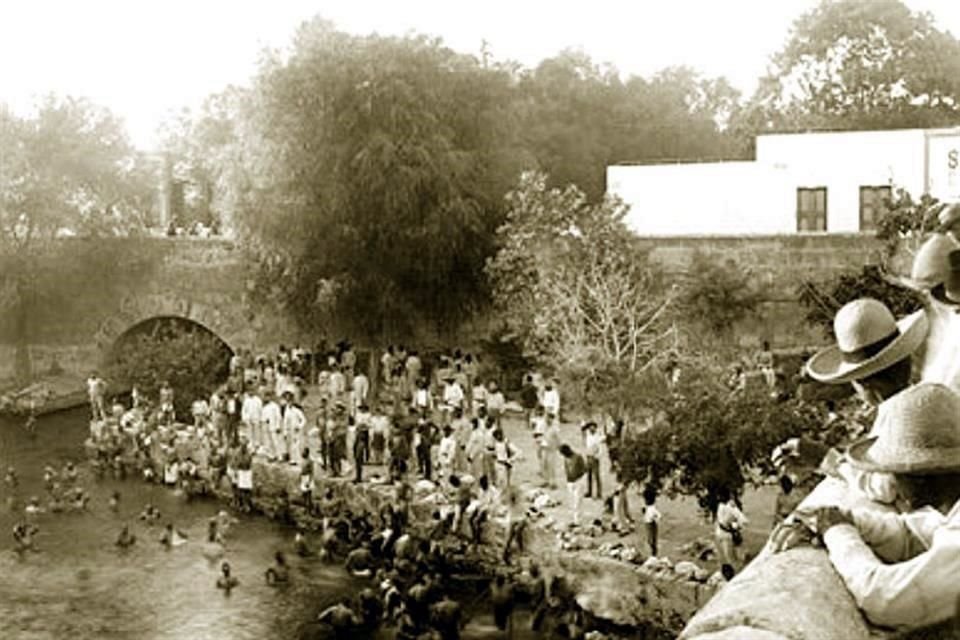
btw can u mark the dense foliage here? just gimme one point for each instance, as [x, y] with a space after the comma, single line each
[192, 359]
[705, 438]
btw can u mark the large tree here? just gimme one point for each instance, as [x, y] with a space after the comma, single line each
[579, 117]
[571, 286]
[66, 170]
[385, 161]
[861, 65]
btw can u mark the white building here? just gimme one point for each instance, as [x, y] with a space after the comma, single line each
[831, 182]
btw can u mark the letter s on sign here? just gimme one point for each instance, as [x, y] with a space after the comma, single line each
[952, 159]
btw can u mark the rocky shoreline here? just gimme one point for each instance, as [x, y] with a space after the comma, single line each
[650, 600]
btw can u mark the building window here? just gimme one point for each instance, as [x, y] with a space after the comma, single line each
[873, 202]
[812, 209]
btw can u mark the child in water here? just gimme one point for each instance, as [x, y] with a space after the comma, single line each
[114, 501]
[226, 581]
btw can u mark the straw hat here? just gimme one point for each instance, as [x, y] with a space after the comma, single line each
[948, 214]
[919, 433]
[931, 264]
[869, 340]
[948, 291]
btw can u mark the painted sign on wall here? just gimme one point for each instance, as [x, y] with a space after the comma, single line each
[943, 165]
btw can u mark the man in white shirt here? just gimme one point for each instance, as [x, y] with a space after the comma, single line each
[593, 440]
[452, 398]
[551, 400]
[272, 420]
[902, 568]
[250, 413]
[361, 388]
[294, 425]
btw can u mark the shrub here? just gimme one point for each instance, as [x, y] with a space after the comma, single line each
[192, 359]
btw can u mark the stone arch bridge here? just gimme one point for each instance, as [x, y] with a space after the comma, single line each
[207, 282]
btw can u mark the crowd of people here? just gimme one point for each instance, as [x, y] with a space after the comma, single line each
[440, 425]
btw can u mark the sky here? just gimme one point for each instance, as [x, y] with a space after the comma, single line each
[146, 58]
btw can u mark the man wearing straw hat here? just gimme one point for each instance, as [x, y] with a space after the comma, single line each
[873, 353]
[902, 568]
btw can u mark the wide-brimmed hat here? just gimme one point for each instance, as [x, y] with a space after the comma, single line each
[948, 291]
[948, 214]
[918, 433]
[931, 264]
[869, 339]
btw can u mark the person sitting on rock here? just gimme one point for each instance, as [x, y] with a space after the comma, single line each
[901, 568]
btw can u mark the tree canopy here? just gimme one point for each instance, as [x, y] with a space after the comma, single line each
[862, 65]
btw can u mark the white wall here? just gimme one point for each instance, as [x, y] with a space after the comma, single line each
[843, 162]
[709, 198]
[761, 197]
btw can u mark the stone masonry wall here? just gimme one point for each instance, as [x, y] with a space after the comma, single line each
[777, 264]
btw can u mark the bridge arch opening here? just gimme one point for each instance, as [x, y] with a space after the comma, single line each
[193, 359]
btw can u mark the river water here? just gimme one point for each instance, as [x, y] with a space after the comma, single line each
[79, 585]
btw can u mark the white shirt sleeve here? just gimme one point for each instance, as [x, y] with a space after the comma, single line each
[918, 592]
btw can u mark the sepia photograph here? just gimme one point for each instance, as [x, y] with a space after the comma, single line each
[426, 320]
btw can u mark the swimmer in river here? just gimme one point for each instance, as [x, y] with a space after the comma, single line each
[300, 546]
[340, 617]
[150, 514]
[172, 537]
[213, 548]
[80, 499]
[69, 474]
[30, 425]
[23, 533]
[226, 581]
[33, 507]
[126, 539]
[360, 561]
[503, 598]
[280, 571]
[11, 479]
[114, 501]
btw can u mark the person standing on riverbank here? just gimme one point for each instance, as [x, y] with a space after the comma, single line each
[96, 390]
[593, 441]
[575, 468]
[271, 418]
[294, 423]
[250, 414]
